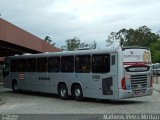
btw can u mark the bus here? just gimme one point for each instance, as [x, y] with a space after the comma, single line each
[111, 73]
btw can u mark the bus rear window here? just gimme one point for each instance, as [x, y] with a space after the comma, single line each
[137, 68]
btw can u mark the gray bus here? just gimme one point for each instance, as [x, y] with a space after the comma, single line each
[112, 73]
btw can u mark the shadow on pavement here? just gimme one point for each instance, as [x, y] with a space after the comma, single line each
[113, 102]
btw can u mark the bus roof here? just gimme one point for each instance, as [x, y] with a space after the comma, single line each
[67, 53]
[134, 47]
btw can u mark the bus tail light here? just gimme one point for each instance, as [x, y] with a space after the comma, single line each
[123, 83]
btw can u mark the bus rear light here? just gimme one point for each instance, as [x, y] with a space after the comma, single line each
[123, 83]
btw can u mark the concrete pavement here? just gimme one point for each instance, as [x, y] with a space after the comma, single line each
[156, 87]
[1, 100]
[156, 83]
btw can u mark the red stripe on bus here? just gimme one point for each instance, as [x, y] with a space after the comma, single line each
[136, 63]
[21, 76]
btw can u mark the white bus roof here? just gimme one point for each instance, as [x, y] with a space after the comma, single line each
[67, 53]
[134, 47]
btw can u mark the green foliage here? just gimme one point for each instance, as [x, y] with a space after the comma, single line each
[75, 43]
[49, 40]
[155, 51]
[72, 44]
[93, 45]
[138, 37]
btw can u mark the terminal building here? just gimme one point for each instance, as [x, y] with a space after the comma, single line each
[14, 40]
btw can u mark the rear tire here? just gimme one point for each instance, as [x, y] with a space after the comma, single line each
[77, 93]
[63, 91]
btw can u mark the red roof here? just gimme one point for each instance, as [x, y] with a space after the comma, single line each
[15, 35]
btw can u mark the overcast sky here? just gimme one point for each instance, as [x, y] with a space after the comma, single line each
[86, 19]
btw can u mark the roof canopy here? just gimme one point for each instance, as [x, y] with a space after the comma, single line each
[14, 40]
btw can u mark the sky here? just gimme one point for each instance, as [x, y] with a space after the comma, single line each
[88, 20]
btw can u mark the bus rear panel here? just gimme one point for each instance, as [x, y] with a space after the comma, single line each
[137, 77]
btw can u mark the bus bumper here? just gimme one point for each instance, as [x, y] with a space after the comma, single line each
[123, 94]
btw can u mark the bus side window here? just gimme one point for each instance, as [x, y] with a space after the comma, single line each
[67, 64]
[54, 64]
[82, 64]
[22, 65]
[13, 67]
[31, 65]
[42, 64]
[101, 63]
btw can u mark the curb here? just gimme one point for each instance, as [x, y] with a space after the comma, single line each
[1, 101]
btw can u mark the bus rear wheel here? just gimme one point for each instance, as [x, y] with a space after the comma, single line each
[77, 93]
[63, 91]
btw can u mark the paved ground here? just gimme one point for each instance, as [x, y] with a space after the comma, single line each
[32, 103]
[44, 104]
[156, 84]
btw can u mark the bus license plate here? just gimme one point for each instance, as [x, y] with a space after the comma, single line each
[139, 93]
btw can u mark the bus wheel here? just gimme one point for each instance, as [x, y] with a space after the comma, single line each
[63, 91]
[15, 86]
[77, 93]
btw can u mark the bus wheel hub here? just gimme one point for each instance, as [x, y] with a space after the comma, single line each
[63, 92]
[77, 92]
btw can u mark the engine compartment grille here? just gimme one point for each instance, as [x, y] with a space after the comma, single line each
[138, 82]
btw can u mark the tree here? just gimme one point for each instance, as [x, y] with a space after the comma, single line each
[111, 39]
[84, 45]
[49, 40]
[72, 44]
[93, 45]
[143, 37]
[75, 43]
[155, 51]
[139, 37]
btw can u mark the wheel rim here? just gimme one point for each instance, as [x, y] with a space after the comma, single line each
[77, 92]
[63, 92]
